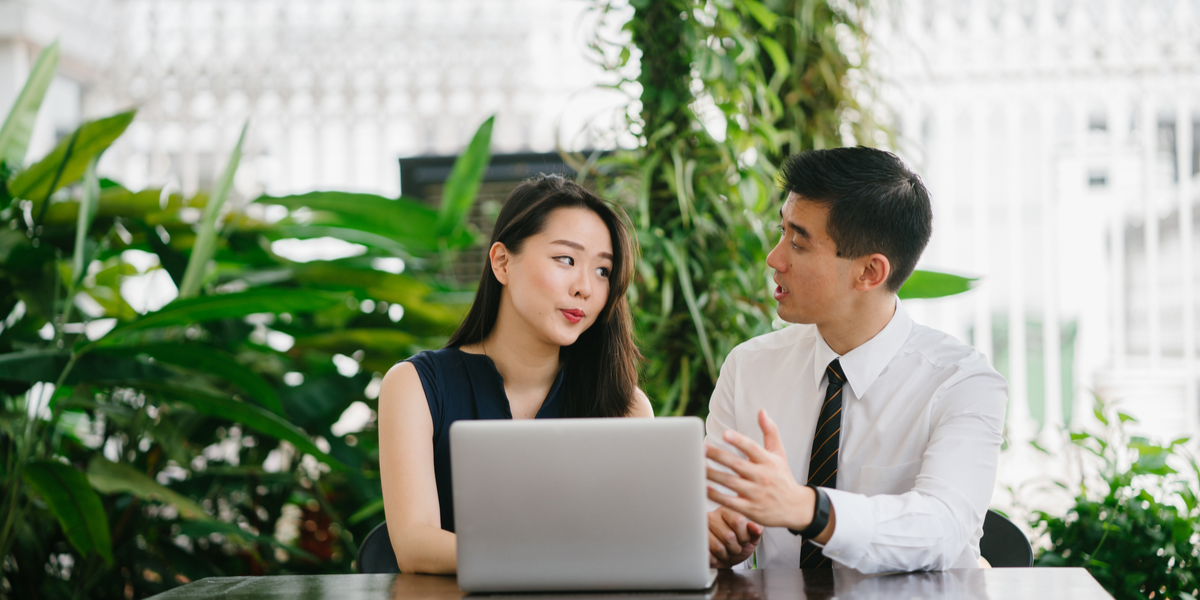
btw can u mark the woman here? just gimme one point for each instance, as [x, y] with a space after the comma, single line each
[548, 335]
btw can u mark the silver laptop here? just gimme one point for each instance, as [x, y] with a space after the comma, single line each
[580, 504]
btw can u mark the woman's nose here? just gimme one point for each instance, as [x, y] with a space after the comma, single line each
[583, 286]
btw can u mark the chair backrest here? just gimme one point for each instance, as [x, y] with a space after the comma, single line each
[1003, 544]
[375, 555]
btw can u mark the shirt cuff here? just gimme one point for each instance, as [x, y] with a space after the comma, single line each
[854, 528]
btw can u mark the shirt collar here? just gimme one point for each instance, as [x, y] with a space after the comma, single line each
[863, 364]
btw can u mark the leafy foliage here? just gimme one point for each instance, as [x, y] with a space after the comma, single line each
[1137, 529]
[144, 448]
[725, 90]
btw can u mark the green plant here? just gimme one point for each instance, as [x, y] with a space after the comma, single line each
[141, 449]
[769, 78]
[1135, 525]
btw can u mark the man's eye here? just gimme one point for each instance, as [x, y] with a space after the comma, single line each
[566, 260]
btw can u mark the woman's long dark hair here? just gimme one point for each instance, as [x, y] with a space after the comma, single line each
[601, 366]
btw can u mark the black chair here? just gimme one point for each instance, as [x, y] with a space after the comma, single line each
[375, 555]
[1003, 544]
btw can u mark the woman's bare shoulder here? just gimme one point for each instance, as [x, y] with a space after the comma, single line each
[641, 405]
[401, 377]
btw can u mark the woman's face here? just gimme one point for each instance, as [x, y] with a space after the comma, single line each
[558, 283]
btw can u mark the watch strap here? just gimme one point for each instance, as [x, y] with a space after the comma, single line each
[820, 520]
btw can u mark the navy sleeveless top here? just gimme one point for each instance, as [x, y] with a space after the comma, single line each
[459, 385]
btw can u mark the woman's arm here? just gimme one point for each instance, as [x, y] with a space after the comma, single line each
[410, 497]
[641, 405]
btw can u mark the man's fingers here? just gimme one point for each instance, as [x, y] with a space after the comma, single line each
[731, 502]
[739, 465]
[749, 447]
[756, 531]
[724, 537]
[717, 548]
[729, 480]
[739, 524]
[771, 441]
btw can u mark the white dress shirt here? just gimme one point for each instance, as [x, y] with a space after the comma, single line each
[922, 420]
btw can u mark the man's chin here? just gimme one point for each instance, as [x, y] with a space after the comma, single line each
[794, 319]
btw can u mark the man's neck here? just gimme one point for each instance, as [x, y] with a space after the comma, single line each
[858, 324]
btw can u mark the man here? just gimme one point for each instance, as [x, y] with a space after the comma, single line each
[879, 450]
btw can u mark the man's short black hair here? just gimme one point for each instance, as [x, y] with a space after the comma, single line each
[875, 203]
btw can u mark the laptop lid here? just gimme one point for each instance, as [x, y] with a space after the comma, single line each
[580, 504]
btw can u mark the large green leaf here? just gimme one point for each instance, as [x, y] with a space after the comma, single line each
[206, 237]
[48, 365]
[406, 221]
[225, 306]
[109, 477]
[932, 284]
[210, 361]
[346, 234]
[113, 202]
[689, 296]
[244, 414]
[74, 503]
[347, 341]
[18, 126]
[90, 139]
[465, 176]
[379, 285]
[372, 508]
[87, 211]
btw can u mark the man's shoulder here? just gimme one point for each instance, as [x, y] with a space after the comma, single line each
[943, 351]
[785, 339]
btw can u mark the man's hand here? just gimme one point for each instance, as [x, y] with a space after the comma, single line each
[766, 491]
[731, 538]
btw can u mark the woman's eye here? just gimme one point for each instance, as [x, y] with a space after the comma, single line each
[566, 260]
[602, 271]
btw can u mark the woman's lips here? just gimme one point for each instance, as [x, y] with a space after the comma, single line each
[574, 315]
[779, 293]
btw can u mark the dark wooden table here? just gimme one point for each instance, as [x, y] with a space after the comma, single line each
[763, 584]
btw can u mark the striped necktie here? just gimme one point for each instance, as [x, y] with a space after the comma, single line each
[823, 465]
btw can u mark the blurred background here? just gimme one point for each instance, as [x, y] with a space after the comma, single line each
[1060, 140]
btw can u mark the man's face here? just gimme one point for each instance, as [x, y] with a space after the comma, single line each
[814, 284]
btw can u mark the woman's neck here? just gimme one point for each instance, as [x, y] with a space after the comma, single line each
[527, 364]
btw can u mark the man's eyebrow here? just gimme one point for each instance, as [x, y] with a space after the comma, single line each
[578, 246]
[802, 232]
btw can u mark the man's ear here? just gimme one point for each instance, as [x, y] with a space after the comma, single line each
[499, 256]
[875, 270]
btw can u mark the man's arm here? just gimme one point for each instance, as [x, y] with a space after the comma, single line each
[924, 529]
[732, 538]
[766, 490]
[928, 527]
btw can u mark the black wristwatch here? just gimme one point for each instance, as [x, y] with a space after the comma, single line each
[820, 518]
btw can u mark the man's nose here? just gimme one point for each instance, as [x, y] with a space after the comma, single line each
[775, 261]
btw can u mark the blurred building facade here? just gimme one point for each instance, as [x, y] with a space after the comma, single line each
[1061, 142]
[1060, 139]
[334, 91]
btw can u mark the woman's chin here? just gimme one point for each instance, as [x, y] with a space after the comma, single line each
[564, 337]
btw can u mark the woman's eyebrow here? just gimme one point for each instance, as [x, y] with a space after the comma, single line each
[578, 246]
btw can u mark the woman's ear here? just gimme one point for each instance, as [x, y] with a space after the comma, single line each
[498, 256]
